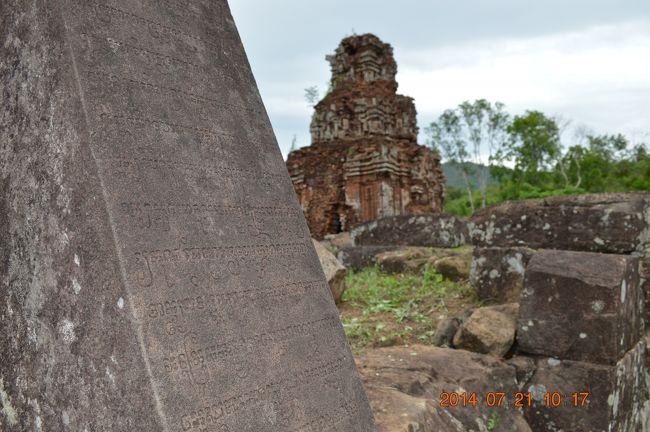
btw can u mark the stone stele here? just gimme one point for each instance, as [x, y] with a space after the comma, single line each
[156, 272]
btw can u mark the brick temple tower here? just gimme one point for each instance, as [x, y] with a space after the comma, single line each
[364, 161]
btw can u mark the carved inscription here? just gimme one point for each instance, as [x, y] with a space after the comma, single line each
[116, 80]
[192, 360]
[193, 306]
[165, 64]
[251, 222]
[178, 314]
[222, 47]
[225, 292]
[225, 263]
[193, 254]
[211, 417]
[166, 126]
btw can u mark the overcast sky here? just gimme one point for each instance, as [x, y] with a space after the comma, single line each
[586, 60]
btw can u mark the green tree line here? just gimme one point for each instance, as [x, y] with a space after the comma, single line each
[531, 155]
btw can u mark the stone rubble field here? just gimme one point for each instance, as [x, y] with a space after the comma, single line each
[541, 301]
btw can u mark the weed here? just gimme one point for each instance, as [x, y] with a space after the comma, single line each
[493, 421]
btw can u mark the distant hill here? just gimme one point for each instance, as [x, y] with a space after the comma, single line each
[455, 177]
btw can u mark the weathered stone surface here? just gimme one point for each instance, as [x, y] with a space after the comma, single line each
[445, 331]
[497, 274]
[617, 395]
[589, 305]
[454, 267]
[524, 367]
[333, 269]
[429, 230]
[424, 372]
[156, 272]
[398, 412]
[359, 257]
[364, 161]
[447, 327]
[608, 222]
[409, 259]
[489, 330]
[339, 241]
[644, 275]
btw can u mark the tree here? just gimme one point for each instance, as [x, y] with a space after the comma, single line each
[533, 147]
[473, 132]
[312, 95]
[446, 139]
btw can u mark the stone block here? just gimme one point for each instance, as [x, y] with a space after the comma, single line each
[489, 330]
[156, 271]
[580, 306]
[609, 222]
[497, 274]
[429, 230]
[616, 395]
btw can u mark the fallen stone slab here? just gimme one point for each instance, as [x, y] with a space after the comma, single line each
[497, 274]
[425, 372]
[570, 395]
[489, 330]
[580, 306]
[429, 230]
[608, 222]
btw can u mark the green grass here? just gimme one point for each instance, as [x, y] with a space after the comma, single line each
[374, 291]
[394, 308]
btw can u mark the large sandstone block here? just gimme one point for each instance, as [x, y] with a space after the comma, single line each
[616, 395]
[156, 271]
[609, 222]
[497, 274]
[580, 306]
[430, 230]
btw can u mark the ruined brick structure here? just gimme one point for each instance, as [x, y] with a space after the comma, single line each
[364, 161]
